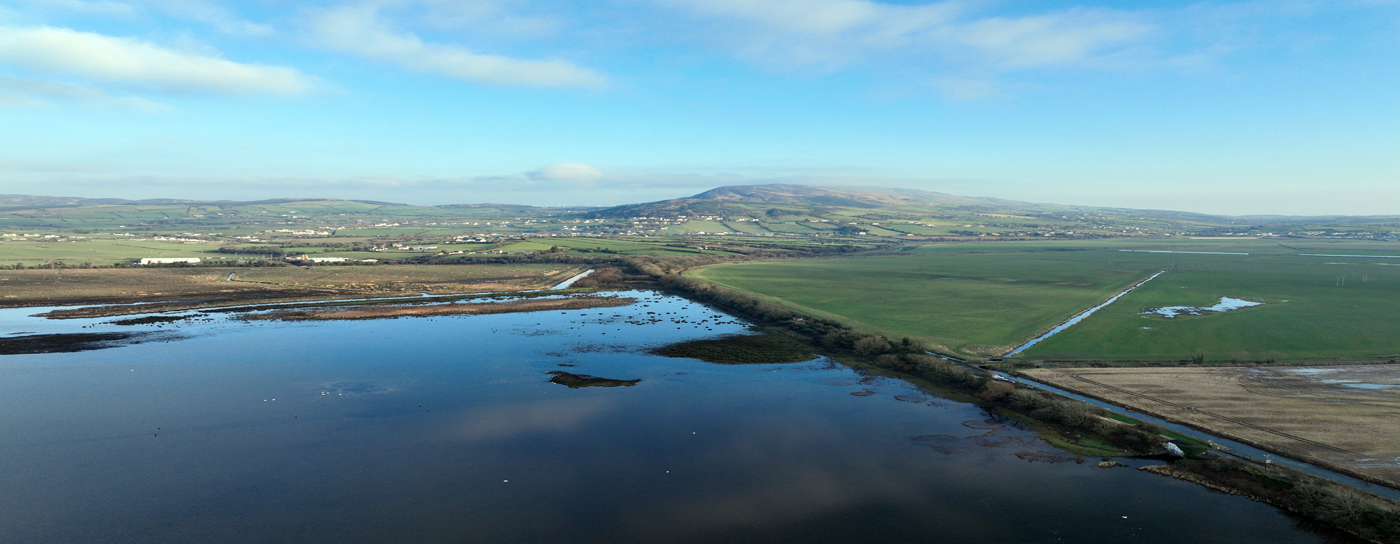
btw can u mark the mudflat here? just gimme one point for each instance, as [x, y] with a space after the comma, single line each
[479, 308]
[218, 286]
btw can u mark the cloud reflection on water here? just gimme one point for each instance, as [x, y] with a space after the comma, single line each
[505, 422]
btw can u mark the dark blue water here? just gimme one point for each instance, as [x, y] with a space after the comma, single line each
[447, 430]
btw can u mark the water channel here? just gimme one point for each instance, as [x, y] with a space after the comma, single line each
[1080, 316]
[447, 429]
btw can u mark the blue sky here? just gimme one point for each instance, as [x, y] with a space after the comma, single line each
[1275, 107]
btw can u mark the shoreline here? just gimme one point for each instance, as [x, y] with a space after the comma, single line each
[360, 312]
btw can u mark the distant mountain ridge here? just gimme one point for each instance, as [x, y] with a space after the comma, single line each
[861, 197]
[742, 200]
[753, 201]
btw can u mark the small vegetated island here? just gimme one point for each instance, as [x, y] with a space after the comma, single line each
[936, 289]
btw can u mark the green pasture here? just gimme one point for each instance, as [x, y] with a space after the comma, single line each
[99, 251]
[877, 231]
[746, 227]
[1250, 246]
[1315, 308]
[598, 243]
[544, 245]
[794, 228]
[921, 230]
[700, 226]
[969, 303]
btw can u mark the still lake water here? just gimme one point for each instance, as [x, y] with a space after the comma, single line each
[447, 430]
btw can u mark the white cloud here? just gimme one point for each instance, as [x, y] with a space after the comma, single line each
[217, 16]
[360, 31]
[499, 19]
[966, 88]
[840, 32]
[1061, 38]
[27, 92]
[204, 11]
[139, 64]
[97, 7]
[567, 171]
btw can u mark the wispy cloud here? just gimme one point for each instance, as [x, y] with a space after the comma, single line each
[213, 14]
[28, 92]
[89, 7]
[359, 30]
[834, 33]
[567, 171]
[142, 65]
[210, 12]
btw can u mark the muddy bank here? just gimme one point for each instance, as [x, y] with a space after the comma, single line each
[68, 343]
[480, 308]
[206, 287]
[575, 381]
[135, 306]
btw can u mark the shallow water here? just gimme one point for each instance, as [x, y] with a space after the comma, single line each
[447, 429]
[1226, 304]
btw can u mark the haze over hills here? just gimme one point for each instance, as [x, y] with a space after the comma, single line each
[765, 210]
[12, 202]
[867, 197]
[741, 199]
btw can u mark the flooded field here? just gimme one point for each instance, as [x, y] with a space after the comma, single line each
[553, 426]
[1226, 304]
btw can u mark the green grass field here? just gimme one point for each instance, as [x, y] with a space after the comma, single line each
[791, 228]
[984, 298]
[969, 303]
[99, 251]
[700, 226]
[1315, 307]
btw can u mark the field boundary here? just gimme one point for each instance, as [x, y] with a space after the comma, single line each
[1083, 314]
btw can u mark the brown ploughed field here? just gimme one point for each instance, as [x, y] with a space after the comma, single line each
[1346, 418]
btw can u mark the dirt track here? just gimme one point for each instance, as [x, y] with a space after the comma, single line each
[1340, 417]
